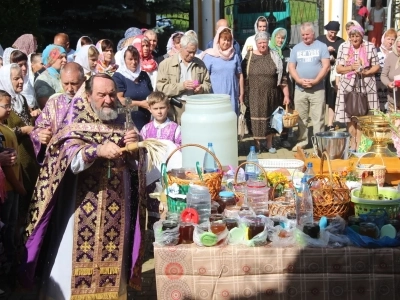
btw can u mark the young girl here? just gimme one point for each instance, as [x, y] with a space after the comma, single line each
[13, 184]
[160, 128]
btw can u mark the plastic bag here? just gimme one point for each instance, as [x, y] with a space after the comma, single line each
[368, 242]
[205, 238]
[169, 237]
[304, 240]
[281, 237]
[261, 238]
[277, 119]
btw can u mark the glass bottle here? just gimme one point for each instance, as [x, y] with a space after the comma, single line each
[369, 187]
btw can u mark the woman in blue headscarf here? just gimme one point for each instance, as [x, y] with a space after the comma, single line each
[278, 43]
[48, 83]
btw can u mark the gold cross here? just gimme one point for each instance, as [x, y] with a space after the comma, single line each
[111, 247]
[112, 234]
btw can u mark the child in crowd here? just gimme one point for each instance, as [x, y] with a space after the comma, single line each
[13, 182]
[160, 128]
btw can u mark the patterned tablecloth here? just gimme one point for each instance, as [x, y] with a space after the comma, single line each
[239, 272]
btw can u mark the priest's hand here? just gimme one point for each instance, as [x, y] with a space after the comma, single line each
[45, 136]
[131, 136]
[109, 151]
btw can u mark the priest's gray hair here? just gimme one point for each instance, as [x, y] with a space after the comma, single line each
[262, 35]
[188, 40]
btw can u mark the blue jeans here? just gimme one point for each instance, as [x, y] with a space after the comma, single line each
[9, 216]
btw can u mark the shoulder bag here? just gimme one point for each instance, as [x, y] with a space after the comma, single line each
[356, 101]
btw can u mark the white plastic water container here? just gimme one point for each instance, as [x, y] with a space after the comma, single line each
[209, 118]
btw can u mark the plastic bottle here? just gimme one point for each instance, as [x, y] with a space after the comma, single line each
[252, 171]
[199, 198]
[209, 164]
[369, 187]
[304, 204]
[309, 173]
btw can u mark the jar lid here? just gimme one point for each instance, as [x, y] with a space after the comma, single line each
[190, 215]
[226, 194]
[208, 239]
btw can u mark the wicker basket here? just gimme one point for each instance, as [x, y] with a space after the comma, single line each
[290, 121]
[330, 195]
[240, 195]
[211, 180]
[278, 206]
[378, 170]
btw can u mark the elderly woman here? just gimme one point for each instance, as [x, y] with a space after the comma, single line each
[21, 122]
[391, 68]
[265, 87]
[356, 59]
[388, 39]
[20, 58]
[174, 44]
[147, 62]
[48, 83]
[106, 62]
[87, 57]
[278, 43]
[134, 83]
[332, 41]
[225, 68]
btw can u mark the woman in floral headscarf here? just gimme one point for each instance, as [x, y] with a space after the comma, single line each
[106, 62]
[26, 43]
[224, 67]
[174, 44]
[147, 63]
[48, 83]
[356, 59]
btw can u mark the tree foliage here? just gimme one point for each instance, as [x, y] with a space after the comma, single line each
[18, 17]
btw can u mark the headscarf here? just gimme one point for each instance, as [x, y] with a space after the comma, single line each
[395, 51]
[101, 66]
[130, 32]
[31, 76]
[382, 40]
[28, 92]
[148, 64]
[123, 69]
[26, 43]
[362, 53]
[49, 56]
[170, 44]
[216, 49]
[79, 43]
[7, 55]
[256, 23]
[82, 58]
[17, 101]
[272, 42]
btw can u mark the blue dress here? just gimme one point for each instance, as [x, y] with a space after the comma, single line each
[136, 91]
[224, 77]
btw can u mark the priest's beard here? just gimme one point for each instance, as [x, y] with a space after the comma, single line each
[105, 113]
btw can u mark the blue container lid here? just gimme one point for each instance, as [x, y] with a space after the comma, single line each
[226, 194]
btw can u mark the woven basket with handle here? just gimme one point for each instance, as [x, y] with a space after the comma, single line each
[278, 206]
[290, 118]
[211, 180]
[331, 196]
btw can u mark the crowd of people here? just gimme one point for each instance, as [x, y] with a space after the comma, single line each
[64, 177]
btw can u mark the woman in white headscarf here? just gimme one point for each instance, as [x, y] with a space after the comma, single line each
[87, 57]
[22, 123]
[174, 44]
[133, 83]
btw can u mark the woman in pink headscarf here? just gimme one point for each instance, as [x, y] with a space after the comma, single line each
[174, 43]
[224, 67]
[147, 62]
[356, 59]
[106, 61]
[26, 43]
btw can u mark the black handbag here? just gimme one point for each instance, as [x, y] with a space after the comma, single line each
[356, 101]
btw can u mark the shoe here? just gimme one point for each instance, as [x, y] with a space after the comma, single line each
[331, 128]
[300, 144]
[272, 150]
[286, 144]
